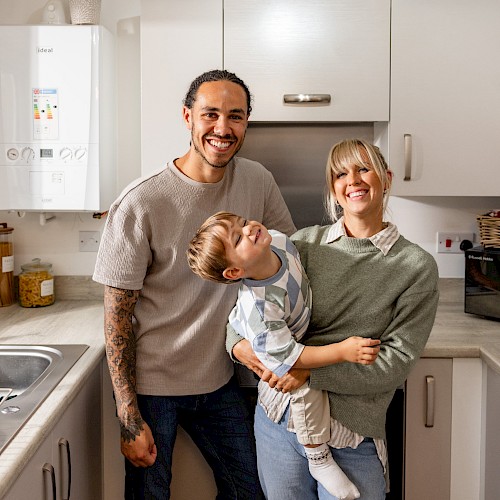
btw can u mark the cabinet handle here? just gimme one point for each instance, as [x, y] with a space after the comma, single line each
[306, 98]
[48, 471]
[408, 141]
[429, 414]
[64, 445]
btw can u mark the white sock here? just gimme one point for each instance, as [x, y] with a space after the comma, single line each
[325, 470]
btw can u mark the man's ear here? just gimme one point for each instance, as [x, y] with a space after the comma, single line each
[186, 116]
[233, 273]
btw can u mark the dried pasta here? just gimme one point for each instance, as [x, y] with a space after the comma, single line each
[30, 289]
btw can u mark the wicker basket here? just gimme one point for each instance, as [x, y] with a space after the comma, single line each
[489, 228]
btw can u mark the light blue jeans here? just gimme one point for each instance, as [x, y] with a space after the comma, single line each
[284, 472]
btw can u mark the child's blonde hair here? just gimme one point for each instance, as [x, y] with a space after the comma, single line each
[206, 253]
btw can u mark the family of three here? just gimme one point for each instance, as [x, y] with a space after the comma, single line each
[331, 318]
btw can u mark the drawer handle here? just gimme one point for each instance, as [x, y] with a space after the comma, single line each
[306, 98]
[48, 470]
[64, 445]
[429, 414]
[408, 155]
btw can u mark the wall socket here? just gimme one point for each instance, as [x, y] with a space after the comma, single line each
[449, 242]
[89, 241]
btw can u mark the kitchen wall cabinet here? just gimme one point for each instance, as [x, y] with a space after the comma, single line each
[80, 429]
[336, 47]
[444, 127]
[339, 48]
[428, 430]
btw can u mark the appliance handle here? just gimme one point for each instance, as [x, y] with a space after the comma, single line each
[306, 98]
[408, 155]
[430, 385]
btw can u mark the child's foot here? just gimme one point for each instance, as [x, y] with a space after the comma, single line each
[325, 470]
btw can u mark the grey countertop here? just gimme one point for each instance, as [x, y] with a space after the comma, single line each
[455, 334]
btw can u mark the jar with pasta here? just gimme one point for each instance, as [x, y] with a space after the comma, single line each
[6, 265]
[36, 284]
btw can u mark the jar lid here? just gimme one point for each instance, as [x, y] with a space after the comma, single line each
[36, 265]
[4, 229]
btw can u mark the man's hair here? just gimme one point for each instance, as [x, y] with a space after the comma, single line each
[215, 75]
[206, 253]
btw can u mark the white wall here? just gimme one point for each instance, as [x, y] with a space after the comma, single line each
[57, 241]
[418, 218]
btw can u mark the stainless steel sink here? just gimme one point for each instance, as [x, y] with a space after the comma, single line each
[28, 374]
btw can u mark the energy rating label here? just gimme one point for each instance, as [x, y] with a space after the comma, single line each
[45, 114]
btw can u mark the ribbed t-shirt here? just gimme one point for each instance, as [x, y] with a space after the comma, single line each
[180, 319]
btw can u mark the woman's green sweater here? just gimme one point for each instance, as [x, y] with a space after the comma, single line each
[359, 291]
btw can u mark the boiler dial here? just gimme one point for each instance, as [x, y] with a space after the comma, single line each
[12, 154]
[80, 153]
[27, 153]
[65, 154]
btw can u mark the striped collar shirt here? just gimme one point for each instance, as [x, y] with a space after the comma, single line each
[383, 240]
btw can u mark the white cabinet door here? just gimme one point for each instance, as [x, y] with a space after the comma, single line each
[428, 430]
[492, 441]
[79, 430]
[35, 482]
[51, 471]
[445, 98]
[334, 47]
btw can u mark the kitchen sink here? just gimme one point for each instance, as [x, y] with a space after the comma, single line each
[28, 374]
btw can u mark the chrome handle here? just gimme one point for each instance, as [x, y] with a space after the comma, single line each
[408, 144]
[64, 445]
[306, 98]
[48, 471]
[431, 391]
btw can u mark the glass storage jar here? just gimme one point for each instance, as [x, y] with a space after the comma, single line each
[6, 265]
[36, 284]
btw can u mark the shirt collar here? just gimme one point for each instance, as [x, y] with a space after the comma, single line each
[384, 240]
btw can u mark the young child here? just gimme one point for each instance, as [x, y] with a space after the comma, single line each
[272, 312]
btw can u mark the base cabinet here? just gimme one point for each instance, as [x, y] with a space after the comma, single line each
[492, 438]
[428, 430]
[68, 463]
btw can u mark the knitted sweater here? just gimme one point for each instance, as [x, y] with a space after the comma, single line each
[359, 291]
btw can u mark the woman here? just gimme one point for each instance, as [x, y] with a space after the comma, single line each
[366, 280]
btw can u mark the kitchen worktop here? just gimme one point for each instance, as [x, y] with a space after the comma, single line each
[455, 334]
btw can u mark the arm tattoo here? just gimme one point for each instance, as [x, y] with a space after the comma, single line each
[121, 356]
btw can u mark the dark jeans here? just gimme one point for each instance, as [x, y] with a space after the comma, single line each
[220, 425]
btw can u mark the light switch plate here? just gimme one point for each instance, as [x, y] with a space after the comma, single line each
[89, 241]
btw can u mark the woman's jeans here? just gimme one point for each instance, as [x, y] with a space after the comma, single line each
[219, 424]
[284, 472]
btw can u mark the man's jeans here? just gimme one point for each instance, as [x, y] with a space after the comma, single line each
[219, 423]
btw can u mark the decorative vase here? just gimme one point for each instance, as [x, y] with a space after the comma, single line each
[85, 11]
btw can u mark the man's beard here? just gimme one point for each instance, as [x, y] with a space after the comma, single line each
[205, 159]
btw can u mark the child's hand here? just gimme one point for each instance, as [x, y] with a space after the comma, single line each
[360, 350]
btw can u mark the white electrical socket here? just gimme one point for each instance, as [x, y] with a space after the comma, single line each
[89, 241]
[449, 242]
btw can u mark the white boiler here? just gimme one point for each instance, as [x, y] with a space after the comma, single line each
[56, 118]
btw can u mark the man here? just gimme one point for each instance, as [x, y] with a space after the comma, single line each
[165, 327]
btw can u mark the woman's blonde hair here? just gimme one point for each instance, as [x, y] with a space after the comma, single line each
[206, 253]
[347, 153]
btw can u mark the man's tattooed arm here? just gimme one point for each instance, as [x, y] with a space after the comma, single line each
[121, 355]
